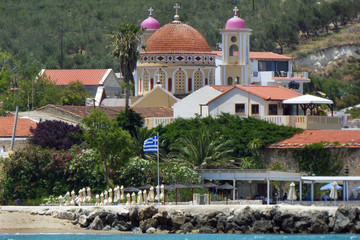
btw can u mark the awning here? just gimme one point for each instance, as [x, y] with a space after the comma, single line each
[308, 99]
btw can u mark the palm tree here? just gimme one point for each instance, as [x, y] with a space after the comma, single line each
[201, 150]
[124, 45]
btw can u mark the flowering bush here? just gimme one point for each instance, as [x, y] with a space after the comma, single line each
[34, 172]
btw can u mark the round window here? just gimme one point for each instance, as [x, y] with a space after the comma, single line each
[233, 39]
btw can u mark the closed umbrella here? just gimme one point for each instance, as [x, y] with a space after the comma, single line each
[151, 195]
[333, 192]
[292, 192]
[226, 187]
[209, 185]
[139, 198]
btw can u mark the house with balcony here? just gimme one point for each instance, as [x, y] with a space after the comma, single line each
[269, 103]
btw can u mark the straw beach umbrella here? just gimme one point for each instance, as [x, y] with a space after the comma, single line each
[208, 186]
[193, 186]
[333, 192]
[145, 187]
[176, 186]
[226, 187]
[131, 189]
[292, 192]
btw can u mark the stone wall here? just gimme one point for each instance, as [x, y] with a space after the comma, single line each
[350, 158]
[19, 144]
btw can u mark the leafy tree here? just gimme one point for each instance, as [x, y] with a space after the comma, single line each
[129, 120]
[124, 46]
[56, 134]
[142, 133]
[75, 94]
[201, 150]
[111, 142]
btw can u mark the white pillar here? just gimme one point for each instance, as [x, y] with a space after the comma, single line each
[234, 189]
[312, 191]
[300, 191]
[268, 191]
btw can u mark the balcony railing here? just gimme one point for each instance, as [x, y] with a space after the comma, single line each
[306, 122]
[156, 121]
[269, 75]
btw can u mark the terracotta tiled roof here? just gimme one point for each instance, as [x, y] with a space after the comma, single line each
[145, 112]
[268, 56]
[261, 56]
[177, 38]
[66, 76]
[334, 138]
[270, 92]
[221, 88]
[291, 79]
[22, 127]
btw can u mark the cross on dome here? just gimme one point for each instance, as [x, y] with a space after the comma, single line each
[235, 10]
[177, 6]
[150, 10]
[176, 17]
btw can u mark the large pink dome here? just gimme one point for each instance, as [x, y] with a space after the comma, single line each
[235, 23]
[150, 23]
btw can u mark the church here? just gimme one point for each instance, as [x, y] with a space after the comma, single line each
[179, 59]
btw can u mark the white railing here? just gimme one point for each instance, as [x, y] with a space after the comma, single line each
[306, 122]
[269, 75]
[156, 121]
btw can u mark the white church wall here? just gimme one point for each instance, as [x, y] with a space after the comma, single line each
[218, 62]
[190, 105]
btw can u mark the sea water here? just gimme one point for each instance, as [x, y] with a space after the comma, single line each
[178, 237]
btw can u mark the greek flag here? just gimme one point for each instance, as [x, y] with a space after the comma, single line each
[151, 145]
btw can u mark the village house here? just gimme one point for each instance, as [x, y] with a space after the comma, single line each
[99, 83]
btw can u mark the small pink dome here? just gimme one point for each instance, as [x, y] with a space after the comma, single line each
[235, 23]
[150, 23]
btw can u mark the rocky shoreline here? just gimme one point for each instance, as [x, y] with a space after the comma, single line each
[247, 220]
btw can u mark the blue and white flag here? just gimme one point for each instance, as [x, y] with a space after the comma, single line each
[151, 145]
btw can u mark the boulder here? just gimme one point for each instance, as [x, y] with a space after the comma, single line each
[99, 212]
[207, 229]
[150, 230]
[121, 225]
[147, 212]
[110, 218]
[83, 221]
[123, 214]
[301, 226]
[177, 222]
[97, 224]
[66, 215]
[187, 227]
[318, 226]
[288, 225]
[146, 224]
[341, 223]
[263, 226]
[162, 217]
[137, 230]
[134, 214]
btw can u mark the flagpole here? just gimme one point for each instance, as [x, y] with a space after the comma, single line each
[158, 178]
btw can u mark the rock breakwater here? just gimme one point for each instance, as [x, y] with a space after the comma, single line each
[247, 220]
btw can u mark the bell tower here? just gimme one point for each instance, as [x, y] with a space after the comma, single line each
[235, 68]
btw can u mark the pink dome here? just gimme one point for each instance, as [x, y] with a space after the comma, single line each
[235, 23]
[150, 23]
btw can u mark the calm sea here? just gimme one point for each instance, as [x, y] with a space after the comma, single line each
[175, 237]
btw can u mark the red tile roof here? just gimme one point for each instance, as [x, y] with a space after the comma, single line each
[269, 93]
[268, 56]
[81, 111]
[276, 93]
[177, 38]
[261, 56]
[221, 88]
[337, 138]
[22, 127]
[85, 76]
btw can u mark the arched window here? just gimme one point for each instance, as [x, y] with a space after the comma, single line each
[151, 83]
[230, 81]
[160, 76]
[206, 81]
[237, 80]
[189, 85]
[146, 78]
[180, 82]
[211, 77]
[198, 80]
[169, 84]
[234, 50]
